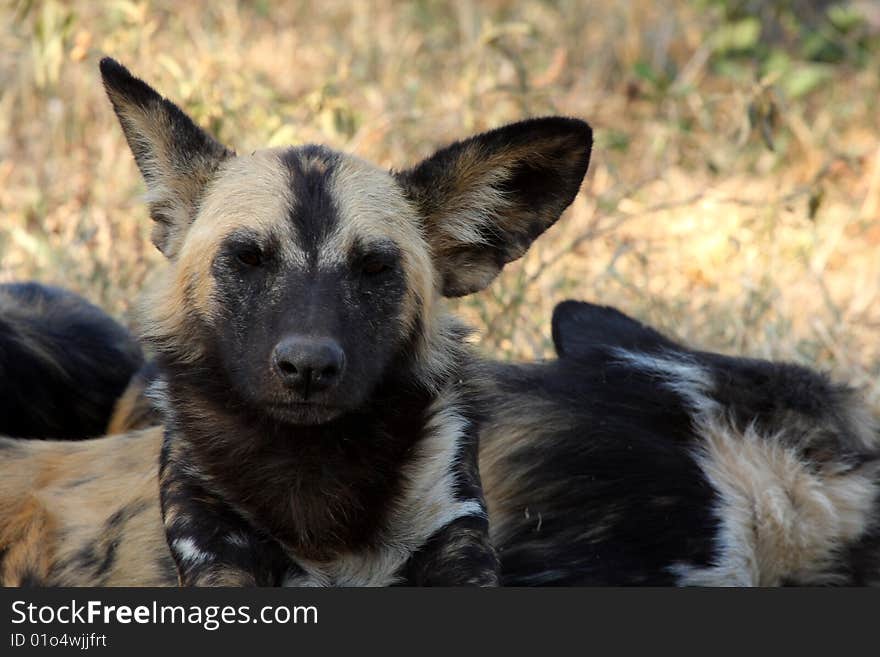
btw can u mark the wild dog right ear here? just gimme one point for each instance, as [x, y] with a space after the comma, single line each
[176, 157]
[484, 200]
[579, 328]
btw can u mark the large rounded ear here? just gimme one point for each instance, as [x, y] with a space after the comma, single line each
[484, 200]
[176, 158]
[580, 328]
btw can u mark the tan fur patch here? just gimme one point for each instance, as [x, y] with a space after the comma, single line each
[134, 410]
[57, 498]
[26, 538]
[780, 519]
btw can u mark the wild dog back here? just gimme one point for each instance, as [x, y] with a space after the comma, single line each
[83, 513]
[633, 460]
[63, 363]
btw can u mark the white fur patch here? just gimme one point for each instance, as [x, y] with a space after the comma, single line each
[679, 373]
[186, 550]
[157, 392]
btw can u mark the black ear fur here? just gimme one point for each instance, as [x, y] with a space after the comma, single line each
[580, 327]
[175, 156]
[485, 199]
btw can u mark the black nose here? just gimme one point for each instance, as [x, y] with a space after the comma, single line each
[308, 364]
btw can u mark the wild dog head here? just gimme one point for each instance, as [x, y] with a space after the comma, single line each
[310, 275]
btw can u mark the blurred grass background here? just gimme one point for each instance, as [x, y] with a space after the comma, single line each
[733, 198]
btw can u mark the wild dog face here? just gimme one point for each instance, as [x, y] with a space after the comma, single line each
[308, 274]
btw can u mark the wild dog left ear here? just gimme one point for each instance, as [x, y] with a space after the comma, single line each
[485, 199]
[580, 328]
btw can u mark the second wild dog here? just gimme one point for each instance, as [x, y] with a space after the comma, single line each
[633, 460]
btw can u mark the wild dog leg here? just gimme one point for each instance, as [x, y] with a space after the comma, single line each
[212, 544]
[459, 554]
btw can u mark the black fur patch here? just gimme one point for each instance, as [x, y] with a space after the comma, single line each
[314, 214]
[29, 579]
[459, 554]
[589, 486]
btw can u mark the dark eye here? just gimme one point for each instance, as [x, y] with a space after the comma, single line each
[250, 256]
[374, 267]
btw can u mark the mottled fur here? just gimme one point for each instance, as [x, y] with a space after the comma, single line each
[83, 513]
[63, 363]
[134, 409]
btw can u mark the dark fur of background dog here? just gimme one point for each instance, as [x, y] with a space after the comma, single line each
[634, 460]
[63, 363]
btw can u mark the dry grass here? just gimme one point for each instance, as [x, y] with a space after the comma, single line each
[687, 219]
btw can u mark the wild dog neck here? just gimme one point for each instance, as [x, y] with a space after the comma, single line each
[319, 490]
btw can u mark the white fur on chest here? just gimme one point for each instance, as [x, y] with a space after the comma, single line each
[427, 504]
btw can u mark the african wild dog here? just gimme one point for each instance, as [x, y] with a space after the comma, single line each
[63, 363]
[315, 393]
[629, 460]
[634, 460]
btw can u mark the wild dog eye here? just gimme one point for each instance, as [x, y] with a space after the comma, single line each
[375, 267]
[250, 256]
[375, 260]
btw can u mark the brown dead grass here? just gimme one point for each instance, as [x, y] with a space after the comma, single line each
[687, 219]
